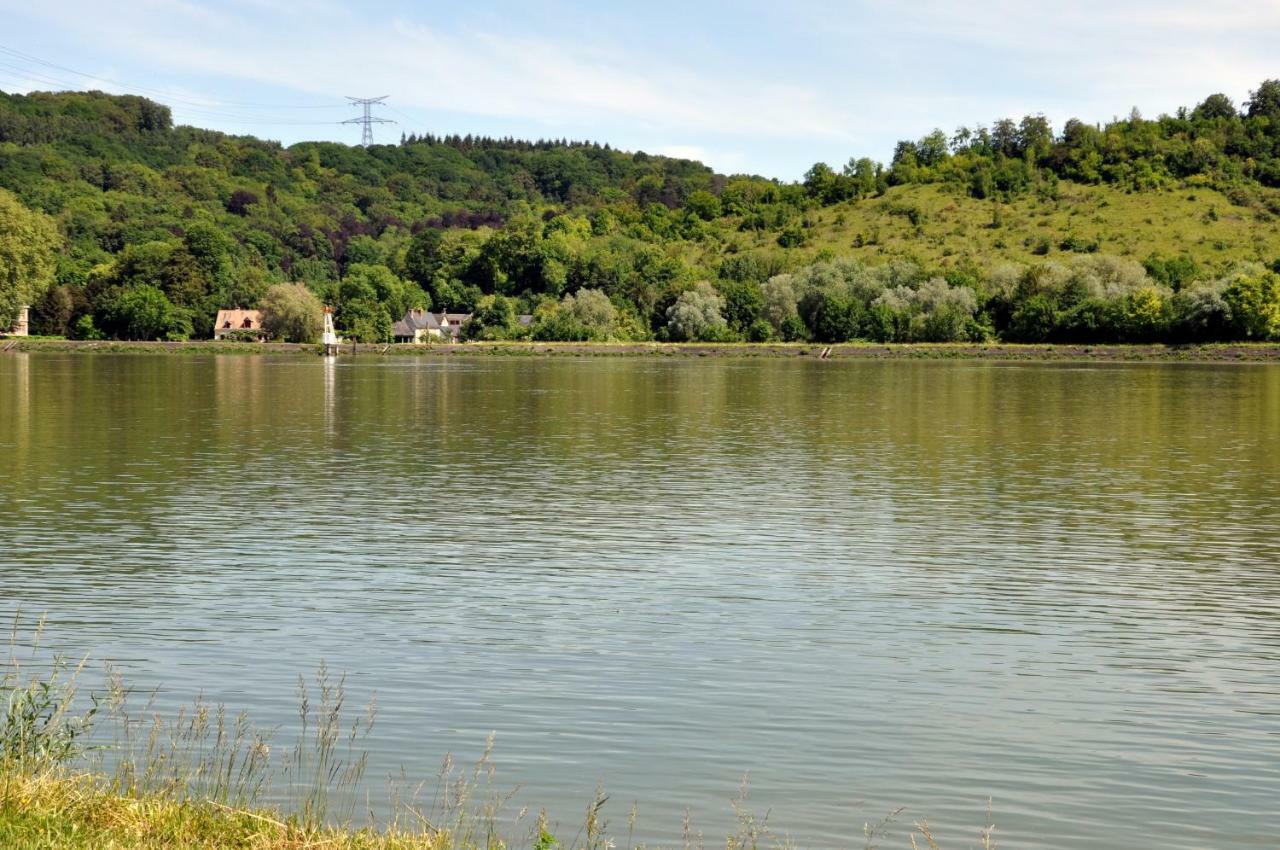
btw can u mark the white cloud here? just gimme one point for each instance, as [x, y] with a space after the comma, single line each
[771, 91]
[464, 71]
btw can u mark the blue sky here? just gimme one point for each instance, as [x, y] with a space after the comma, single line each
[767, 88]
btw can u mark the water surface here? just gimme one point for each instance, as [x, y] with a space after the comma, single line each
[865, 584]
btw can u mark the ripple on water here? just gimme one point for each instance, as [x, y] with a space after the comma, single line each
[866, 584]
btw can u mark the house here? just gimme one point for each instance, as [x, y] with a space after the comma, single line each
[417, 326]
[451, 325]
[22, 326]
[235, 321]
[420, 326]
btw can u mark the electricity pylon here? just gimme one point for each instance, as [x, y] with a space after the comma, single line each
[367, 119]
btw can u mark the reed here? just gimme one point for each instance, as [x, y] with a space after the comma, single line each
[104, 769]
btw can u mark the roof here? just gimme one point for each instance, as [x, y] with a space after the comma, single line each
[419, 320]
[235, 319]
[524, 320]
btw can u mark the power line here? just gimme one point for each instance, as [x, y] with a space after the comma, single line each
[192, 101]
[26, 68]
[367, 119]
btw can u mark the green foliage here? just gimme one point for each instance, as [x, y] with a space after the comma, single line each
[698, 316]
[292, 313]
[211, 221]
[1254, 302]
[581, 317]
[494, 318]
[42, 723]
[28, 240]
[792, 236]
[143, 312]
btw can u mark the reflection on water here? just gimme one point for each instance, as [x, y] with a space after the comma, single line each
[867, 584]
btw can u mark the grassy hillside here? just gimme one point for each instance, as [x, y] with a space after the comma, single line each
[940, 227]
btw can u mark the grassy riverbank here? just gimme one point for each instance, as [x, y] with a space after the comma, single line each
[1204, 353]
[67, 811]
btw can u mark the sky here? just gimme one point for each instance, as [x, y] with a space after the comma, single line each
[747, 87]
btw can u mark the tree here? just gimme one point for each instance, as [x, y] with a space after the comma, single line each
[291, 312]
[697, 315]
[1254, 301]
[1214, 106]
[142, 312]
[423, 260]
[1265, 102]
[54, 311]
[586, 315]
[28, 240]
[932, 149]
[394, 293]
[820, 181]
[703, 205]
[743, 302]
[779, 298]
[360, 313]
[493, 318]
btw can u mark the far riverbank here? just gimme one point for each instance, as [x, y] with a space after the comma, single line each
[1207, 353]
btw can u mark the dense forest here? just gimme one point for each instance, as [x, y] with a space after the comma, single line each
[115, 223]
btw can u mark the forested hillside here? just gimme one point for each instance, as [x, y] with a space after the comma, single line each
[1133, 230]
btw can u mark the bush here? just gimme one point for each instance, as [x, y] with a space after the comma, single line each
[242, 335]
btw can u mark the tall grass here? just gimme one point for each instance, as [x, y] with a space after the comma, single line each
[41, 724]
[108, 768]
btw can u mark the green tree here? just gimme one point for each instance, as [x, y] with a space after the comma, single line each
[1214, 106]
[394, 293]
[423, 259]
[54, 313]
[703, 205]
[493, 318]
[291, 312]
[1254, 301]
[743, 302]
[1265, 102]
[697, 315]
[28, 240]
[585, 315]
[360, 312]
[143, 312]
[779, 300]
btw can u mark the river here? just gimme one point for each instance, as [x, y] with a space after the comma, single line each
[864, 584]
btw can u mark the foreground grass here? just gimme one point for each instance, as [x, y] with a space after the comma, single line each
[55, 811]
